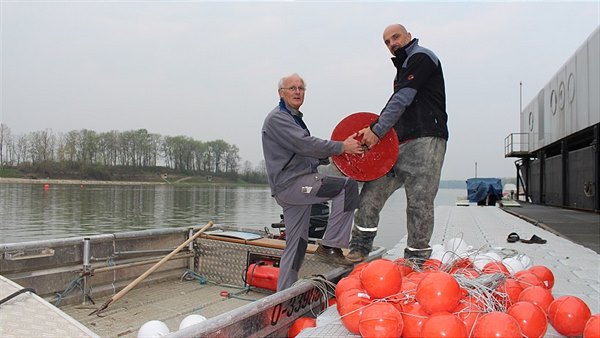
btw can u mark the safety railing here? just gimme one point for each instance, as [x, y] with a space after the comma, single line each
[516, 145]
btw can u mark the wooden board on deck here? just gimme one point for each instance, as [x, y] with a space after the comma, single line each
[262, 242]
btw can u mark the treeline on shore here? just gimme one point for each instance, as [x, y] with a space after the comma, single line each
[116, 155]
[134, 155]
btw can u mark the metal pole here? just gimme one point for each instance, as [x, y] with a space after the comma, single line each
[520, 97]
[190, 261]
[86, 254]
[86, 266]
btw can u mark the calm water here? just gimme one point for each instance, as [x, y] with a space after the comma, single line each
[30, 212]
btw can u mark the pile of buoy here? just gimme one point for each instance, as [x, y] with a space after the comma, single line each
[459, 292]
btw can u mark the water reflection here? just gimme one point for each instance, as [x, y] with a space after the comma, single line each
[30, 212]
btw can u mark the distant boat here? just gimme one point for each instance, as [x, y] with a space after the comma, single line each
[488, 192]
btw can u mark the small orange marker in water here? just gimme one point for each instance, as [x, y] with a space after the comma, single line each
[46, 186]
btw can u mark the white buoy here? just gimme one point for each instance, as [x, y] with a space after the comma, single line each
[457, 246]
[153, 329]
[513, 264]
[437, 252]
[483, 258]
[191, 320]
[526, 261]
[437, 247]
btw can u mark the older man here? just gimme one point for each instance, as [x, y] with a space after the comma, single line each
[292, 156]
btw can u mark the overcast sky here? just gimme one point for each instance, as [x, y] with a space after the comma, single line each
[209, 70]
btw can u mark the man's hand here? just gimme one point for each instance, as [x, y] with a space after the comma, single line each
[368, 137]
[352, 145]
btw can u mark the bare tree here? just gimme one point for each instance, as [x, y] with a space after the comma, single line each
[232, 159]
[4, 142]
[42, 146]
[22, 149]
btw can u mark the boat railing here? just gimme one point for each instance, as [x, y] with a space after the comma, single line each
[49, 265]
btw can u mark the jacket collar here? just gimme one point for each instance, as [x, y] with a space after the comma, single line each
[283, 106]
[296, 114]
[402, 53]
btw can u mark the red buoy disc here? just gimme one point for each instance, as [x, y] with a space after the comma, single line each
[376, 161]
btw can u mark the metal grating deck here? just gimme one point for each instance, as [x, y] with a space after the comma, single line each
[28, 314]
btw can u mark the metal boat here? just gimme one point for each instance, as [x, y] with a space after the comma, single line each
[212, 276]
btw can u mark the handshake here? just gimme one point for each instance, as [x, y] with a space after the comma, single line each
[360, 142]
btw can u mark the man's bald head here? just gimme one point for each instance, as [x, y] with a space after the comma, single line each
[396, 36]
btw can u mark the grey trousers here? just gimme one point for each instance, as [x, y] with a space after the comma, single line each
[296, 201]
[418, 169]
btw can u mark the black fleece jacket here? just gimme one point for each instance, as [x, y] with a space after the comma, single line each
[418, 106]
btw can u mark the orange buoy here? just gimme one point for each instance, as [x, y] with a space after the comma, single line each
[413, 317]
[592, 327]
[495, 267]
[46, 186]
[405, 266]
[438, 292]
[527, 279]
[397, 300]
[408, 288]
[301, 324]
[381, 278]
[544, 274]
[496, 324]
[508, 292]
[444, 324]
[537, 295]
[380, 319]
[463, 262]
[468, 312]
[347, 283]
[432, 264]
[347, 296]
[350, 309]
[531, 318]
[568, 315]
[417, 276]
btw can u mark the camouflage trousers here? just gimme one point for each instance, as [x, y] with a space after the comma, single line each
[418, 169]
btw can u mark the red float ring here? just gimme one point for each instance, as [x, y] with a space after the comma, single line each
[376, 161]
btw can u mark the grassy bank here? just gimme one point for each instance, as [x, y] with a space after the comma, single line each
[114, 176]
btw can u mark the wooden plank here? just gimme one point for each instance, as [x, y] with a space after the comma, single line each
[262, 242]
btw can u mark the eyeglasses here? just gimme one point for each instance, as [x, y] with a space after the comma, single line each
[295, 88]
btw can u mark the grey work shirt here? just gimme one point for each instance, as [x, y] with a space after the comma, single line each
[289, 149]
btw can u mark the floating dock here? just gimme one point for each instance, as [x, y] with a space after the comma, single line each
[576, 268]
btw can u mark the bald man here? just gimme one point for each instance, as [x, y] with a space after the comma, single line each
[417, 112]
[292, 156]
